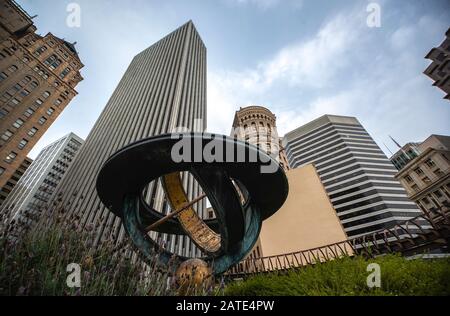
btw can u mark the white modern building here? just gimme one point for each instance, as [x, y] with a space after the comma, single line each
[356, 174]
[37, 185]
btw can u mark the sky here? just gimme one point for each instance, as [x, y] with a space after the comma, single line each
[301, 59]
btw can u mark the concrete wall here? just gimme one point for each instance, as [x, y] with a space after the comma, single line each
[306, 220]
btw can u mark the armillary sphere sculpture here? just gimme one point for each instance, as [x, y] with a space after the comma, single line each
[243, 184]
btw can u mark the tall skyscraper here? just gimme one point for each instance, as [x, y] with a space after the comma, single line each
[37, 185]
[38, 75]
[163, 88]
[356, 174]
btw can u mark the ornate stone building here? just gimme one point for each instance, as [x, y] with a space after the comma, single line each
[427, 177]
[38, 76]
[257, 125]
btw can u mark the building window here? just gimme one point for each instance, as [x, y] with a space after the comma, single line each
[46, 94]
[32, 131]
[42, 120]
[419, 171]
[7, 135]
[18, 123]
[426, 180]
[6, 52]
[40, 50]
[28, 112]
[22, 144]
[50, 111]
[64, 73]
[25, 59]
[3, 76]
[34, 85]
[57, 102]
[426, 200]
[12, 68]
[10, 158]
[3, 113]
[40, 72]
[53, 62]
[38, 102]
[408, 179]
[17, 87]
[430, 163]
[438, 194]
[438, 172]
[24, 92]
[6, 96]
[14, 102]
[2, 170]
[415, 187]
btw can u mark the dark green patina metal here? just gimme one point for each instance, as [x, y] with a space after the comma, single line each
[238, 217]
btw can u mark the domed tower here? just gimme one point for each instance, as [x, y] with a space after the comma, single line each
[257, 125]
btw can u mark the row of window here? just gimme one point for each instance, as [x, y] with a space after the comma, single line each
[419, 172]
[437, 193]
[12, 97]
[6, 52]
[4, 75]
[51, 43]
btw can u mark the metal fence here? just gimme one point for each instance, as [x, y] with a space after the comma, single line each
[415, 236]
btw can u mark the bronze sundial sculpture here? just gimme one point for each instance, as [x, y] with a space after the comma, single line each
[243, 184]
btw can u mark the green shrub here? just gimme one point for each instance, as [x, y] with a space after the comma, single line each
[348, 276]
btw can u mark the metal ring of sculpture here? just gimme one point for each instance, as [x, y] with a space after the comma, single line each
[232, 176]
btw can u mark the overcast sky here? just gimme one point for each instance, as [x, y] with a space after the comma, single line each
[299, 58]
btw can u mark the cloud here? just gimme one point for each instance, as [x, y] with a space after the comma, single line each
[309, 64]
[345, 68]
[316, 61]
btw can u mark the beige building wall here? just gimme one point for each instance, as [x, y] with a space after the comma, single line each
[306, 220]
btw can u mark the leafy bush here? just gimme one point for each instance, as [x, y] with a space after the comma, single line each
[348, 276]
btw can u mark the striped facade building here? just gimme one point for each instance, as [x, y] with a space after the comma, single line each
[164, 88]
[356, 174]
[37, 186]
